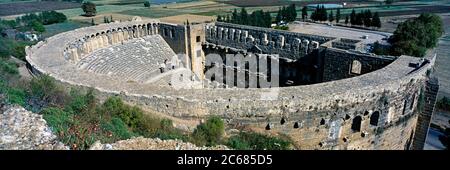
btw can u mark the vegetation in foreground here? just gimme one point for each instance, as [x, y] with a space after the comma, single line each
[414, 36]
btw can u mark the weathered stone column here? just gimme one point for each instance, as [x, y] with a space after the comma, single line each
[281, 41]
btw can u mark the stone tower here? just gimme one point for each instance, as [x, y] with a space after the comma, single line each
[195, 37]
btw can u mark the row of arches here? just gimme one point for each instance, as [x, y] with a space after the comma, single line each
[265, 39]
[355, 126]
[89, 43]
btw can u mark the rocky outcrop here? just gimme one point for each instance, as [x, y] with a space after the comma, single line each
[24, 130]
[141, 143]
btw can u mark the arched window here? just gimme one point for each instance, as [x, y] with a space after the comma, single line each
[268, 127]
[355, 67]
[356, 124]
[296, 125]
[374, 118]
[322, 121]
[282, 121]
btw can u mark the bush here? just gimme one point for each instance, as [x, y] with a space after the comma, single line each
[12, 95]
[281, 27]
[255, 141]
[117, 128]
[81, 104]
[414, 36]
[147, 4]
[8, 67]
[131, 115]
[43, 86]
[58, 120]
[52, 17]
[209, 133]
[89, 9]
[37, 26]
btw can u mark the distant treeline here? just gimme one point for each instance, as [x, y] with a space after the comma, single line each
[256, 18]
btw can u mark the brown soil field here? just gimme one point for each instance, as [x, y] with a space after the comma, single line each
[181, 19]
[252, 3]
[28, 7]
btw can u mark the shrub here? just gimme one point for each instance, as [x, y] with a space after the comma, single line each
[130, 115]
[81, 103]
[37, 26]
[255, 141]
[58, 120]
[414, 36]
[209, 133]
[52, 17]
[8, 67]
[12, 95]
[89, 8]
[43, 86]
[117, 128]
[147, 4]
[281, 27]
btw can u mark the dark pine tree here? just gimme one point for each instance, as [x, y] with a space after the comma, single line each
[376, 22]
[338, 15]
[353, 17]
[304, 13]
[331, 17]
[244, 16]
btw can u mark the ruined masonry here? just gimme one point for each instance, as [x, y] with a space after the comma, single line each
[332, 94]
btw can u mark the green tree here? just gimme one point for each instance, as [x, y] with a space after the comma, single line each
[278, 18]
[244, 16]
[304, 13]
[37, 26]
[235, 18]
[92, 21]
[376, 22]
[323, 13]
[147, 4]
[414, 36]
[331, 17]
[353, 17]
[367, 18]
[389, 2]
[210, 132]
[89, 8]
[359, 19]
[338, 15]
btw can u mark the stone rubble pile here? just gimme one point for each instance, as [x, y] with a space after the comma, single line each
[24, 130]
[141, 143]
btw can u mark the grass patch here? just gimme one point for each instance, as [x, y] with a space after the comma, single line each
[54, 29]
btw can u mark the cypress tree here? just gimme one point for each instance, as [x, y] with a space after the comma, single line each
[331, 17]
[367, 18]
[244, 16]
[353, 17]
[278, 18]
[304, 13]
[338, 15]
[376, 22]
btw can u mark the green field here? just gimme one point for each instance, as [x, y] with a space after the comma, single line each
[100, 9]
[54, 29]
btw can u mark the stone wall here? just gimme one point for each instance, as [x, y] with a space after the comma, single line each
[287, 44]
[339, 64]
[375, 110]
